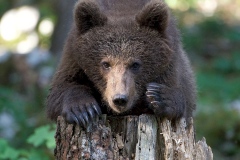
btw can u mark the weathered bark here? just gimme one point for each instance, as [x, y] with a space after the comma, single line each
[143, 137]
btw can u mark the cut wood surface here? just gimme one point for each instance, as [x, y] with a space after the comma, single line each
[143, 137]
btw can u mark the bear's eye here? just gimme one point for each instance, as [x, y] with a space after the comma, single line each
[106, 65]
[135, 66]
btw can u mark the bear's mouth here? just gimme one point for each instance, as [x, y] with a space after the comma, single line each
[118, 109]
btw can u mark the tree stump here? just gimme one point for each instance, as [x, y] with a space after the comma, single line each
[143, 137]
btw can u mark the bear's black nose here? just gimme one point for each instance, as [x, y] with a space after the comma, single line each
[120, 100]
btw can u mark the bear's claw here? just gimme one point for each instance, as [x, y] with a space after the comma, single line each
[97, 109]
[90, 112]
[75, 119]
[82, 115]
[153, 92]
[165, 101]
[156, 97]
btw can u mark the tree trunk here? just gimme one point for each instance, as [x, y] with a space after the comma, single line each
[143, 137]
[64, 9]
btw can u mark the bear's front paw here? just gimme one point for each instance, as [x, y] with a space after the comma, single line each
[165, 101]
[81, 113]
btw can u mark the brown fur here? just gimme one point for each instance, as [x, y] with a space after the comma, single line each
[106, 33]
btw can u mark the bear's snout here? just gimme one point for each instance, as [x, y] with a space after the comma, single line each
[120, 100]
[120, 93]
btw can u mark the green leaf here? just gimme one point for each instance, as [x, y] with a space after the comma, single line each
[37, 155]
[43, 135]
[7, 152]
[51, 144]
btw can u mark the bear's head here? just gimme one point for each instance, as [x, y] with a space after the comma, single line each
[120, 55]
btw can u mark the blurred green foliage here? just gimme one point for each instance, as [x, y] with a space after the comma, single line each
[218, 89]
[222, 129]
[43, 134]
[5, 5]
[212, 43]
[41, 140]
[47, 10]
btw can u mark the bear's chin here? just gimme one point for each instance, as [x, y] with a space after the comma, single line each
[119, 110]
[121, 113]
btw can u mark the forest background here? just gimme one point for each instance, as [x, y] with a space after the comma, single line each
[32, 34]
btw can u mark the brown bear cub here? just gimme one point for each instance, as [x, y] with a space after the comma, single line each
[122, 57]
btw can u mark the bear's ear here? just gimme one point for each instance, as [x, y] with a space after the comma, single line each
[154, 15]
[87, 15]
